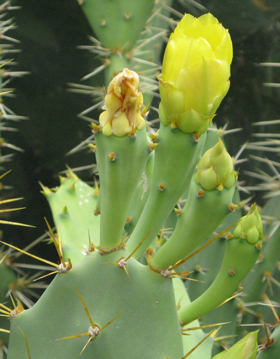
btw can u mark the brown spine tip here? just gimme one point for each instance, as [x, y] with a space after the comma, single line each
[127, 15]
[173, 125]
[233, 207]
[232, 272]
[112, 156]
[178, 211]
[92, 147]
[196, 136]
[259, 246]
[96, 212]
[152, 146]
[95, 128]
[154, 136]
[200, 193]
[162, 187]
[229, 236]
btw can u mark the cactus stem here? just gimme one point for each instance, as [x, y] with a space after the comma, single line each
[201, 248]
[193, 349]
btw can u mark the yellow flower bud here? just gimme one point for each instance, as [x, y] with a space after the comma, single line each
[122, 107]
[195, 73]
[250, 226]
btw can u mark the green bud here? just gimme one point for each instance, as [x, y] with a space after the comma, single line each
[246, 348]
[250, 226]
[215, 169]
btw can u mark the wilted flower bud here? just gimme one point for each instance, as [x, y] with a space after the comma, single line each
[215, 169]
[250, 226]
[122, 106]
[195, 73]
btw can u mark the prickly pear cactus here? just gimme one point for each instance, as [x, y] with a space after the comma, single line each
[123, 288]
[115, 295]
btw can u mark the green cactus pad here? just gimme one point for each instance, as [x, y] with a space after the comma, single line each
[73, 207]
[144, 299]
[117, 24]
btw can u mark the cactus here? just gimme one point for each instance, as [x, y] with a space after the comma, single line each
[118, 289]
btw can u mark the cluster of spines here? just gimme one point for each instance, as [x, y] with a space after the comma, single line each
[6, 75]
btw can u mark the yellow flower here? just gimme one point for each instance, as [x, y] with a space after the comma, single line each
[195, 73]
[122, 106]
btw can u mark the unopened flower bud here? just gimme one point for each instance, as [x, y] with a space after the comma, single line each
[215, 169]
[250, 226]
[246, 348]
[195, 73]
